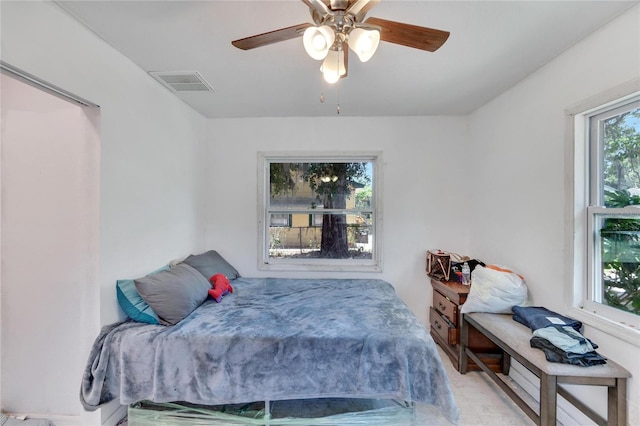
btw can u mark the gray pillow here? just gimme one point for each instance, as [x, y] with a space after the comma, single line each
[211, 263]
[173, 294]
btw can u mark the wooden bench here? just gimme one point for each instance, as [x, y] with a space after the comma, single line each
[513, 338]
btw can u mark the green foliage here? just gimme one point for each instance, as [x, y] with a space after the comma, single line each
[363, 198]
[622, 151]
[622, 285]
[280, 177]
[620, 198]
[621, 270]
[330, 180]
[621, 236]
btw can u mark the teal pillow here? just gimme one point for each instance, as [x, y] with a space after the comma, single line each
[132, 303]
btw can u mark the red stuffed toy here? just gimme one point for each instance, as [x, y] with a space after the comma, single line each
[221, 287]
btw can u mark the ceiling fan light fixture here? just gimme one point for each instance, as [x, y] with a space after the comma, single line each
[364, 42]
[339, 23]
[333, 67]
[318, 40]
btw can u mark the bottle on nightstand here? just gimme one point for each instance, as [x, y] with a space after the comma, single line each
[466, 274]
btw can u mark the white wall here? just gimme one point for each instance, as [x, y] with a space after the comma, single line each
[151, 177]
[518, 141]
[423, 191]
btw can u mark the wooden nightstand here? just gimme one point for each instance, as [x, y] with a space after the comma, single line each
[444, 317]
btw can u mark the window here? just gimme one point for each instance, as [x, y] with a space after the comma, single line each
[607, 206]
[322, 212]
[280, 220]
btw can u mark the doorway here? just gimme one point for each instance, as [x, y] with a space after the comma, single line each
[49, 211]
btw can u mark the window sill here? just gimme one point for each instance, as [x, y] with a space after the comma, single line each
[623, 332]
[337, 266]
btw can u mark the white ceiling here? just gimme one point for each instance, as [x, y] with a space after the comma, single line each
[493, 45]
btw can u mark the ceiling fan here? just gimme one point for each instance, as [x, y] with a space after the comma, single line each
[340, 24]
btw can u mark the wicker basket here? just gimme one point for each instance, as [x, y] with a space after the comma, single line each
[439, 264]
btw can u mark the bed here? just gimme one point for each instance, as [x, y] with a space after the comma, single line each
[274, 339]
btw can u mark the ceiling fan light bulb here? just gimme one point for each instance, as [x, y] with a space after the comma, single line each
[330, 77]
[333, 66]
[318, 40]
[364, 42]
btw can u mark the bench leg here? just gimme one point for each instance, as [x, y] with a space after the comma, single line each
[617, 404]
[463, 359]
[548, 399]
[506, 363]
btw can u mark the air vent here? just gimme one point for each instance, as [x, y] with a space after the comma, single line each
[182, 81]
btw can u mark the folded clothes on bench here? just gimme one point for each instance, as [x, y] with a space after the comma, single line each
[567, 339]
[558, 336]
[554, 354]
[536, 317]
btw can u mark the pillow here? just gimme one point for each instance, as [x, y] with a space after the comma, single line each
[132, 304]
[175, 293]
[211, 263]
[495, 290]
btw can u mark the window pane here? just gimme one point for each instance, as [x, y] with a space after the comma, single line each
[332, 204]
[325, 241]
[279, 220]
[621, 158]
[311, 185]
[343, 188]
[619, 249]
[317, 219]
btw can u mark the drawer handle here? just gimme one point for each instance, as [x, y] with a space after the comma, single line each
[442, 307]
[438, 325]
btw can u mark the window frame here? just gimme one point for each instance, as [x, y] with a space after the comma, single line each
[584, 185]
[266, 263]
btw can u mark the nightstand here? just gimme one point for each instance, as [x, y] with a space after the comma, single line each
[444, 317]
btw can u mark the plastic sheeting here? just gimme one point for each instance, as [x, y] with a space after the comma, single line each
[338, 412]
[12, 421]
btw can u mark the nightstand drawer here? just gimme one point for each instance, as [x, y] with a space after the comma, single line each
[442, 327]
[446, 307]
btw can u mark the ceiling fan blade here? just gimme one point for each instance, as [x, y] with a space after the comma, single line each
[319, 10]
[271, 37]
[424, 38]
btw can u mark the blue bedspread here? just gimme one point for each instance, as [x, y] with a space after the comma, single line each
[275, 339]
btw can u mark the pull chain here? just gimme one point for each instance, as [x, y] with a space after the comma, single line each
[338, 96]
[322, 98]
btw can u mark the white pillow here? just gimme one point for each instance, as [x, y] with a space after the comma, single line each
[494, 289]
